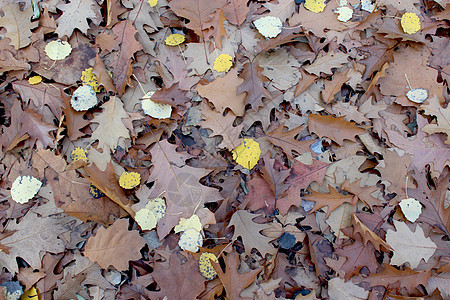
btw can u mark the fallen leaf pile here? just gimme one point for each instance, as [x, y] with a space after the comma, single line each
[224, 149]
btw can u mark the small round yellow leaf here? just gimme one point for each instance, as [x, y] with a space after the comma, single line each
[35, 79]
[411, 208]
[410, 23]
[146, 219]
[174, 39]
[24, 188]
[58, 50]
[247, 153]
[158, 207]
[268, 26]
[185, 224]
[129, 180]
[190, 240]
[344, 13]
[89, 78]
[223, 63]
[152, 2]
[79, 154]
[315, 6]
[205, 266]
[31, 294]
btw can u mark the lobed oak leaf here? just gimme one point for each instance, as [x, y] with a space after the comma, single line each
[75, 15]
[114, 246]
[394, 280]
[32, 236]
[249, 231]
[363, 193]
[223, 93]
[442, 125]
[340, 290]
[332, 200]
[409, 246]
[336, 129]
[178, 281]
[17, 23]
[235, 11]
[286, 140]
[368, 235]
[253, 85]
[326, 63]
[233, 281]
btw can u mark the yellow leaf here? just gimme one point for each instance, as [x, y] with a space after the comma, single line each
[89, 78]
[410, 23]
[58, 50]
[152, 2]
[154, 109]
[174, 39]
[185, 224]
[190, 240]
[268, 26]
[95, 192]
[24, 188]
[205, 266]
[129, 180]
[35, 79]
[79, 154]
[411, 208]
[316, 6]
[247, 153]
[31, 294]
[83, 98]
[148, 217]
[345, 13]
[223, 63]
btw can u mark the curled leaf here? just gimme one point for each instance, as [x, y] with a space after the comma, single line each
[247, 153]
[83, 98]
[58, 50]
[205, 266]
[410, 23]
[268, 26]
[24, 188]
[174, 39]
[129, 180]
[223, 63]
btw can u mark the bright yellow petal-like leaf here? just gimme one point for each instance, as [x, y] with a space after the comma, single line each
[89, 78]
[129, 180]
[410, 23]
[79, 154]
[316, 6]
[24, 188]
[190, 240]
[411, 209]
[152, 2]
[268, 26]
[223, 63]
[185, 224]
[174, 39]
[31, 294]
[146, 219]
[35, 79]
[158, 207]
[247, 153]
[58, 50]
[205, 266]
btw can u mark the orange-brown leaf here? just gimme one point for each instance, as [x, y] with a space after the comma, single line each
[336, 129]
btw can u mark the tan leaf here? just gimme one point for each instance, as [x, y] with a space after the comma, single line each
[115, 246]
[336, 129]
[18, 25]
